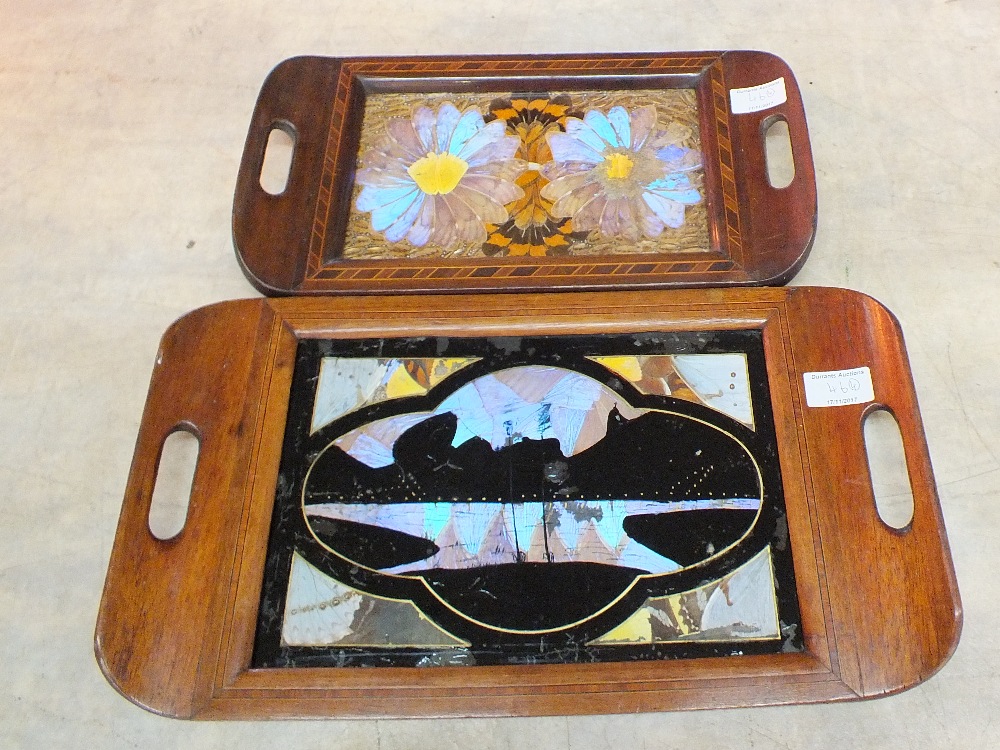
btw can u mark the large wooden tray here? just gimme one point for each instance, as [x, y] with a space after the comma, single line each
[865, 609]
[734, 227]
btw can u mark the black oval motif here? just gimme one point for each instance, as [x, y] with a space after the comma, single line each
[522, 521]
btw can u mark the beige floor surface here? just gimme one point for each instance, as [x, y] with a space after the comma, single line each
[122, 126]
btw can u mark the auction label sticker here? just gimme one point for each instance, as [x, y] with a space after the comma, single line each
[757, 98]
[839, 387]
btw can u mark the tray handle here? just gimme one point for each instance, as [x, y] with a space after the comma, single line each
[270, 245]
[161, 600]
[905, 574]
[782, 221]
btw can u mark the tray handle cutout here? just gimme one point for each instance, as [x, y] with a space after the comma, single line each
[784, 161]
[786, 157]
[778, 152]
[887, 468]
[175, 469]
[784, 143]
[779, 160]
[277, 159]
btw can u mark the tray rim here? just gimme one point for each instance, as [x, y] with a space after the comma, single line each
[758, 235]
[217, 682]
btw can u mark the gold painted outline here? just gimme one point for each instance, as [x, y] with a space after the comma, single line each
[760, 484]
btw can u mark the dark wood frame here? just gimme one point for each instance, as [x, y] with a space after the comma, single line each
[880, 606]
[290, 243]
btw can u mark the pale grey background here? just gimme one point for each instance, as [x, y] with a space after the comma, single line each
[122, 126]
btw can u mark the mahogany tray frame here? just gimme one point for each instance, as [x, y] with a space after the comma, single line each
[880, 606]
[290, 243]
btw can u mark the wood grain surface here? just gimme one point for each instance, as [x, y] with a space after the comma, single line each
[880, 606]
[292, 242]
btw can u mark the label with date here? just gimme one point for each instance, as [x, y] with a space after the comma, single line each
[839, 387]
[757, 98]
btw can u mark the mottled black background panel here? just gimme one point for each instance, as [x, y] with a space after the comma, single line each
[290, 533]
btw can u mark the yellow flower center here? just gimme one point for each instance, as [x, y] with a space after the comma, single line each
[619, 166]
[437, 174]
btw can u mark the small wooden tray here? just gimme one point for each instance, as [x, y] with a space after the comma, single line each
[689, 205]
[204, 624]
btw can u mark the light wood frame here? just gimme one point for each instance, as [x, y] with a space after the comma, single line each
[880, 606]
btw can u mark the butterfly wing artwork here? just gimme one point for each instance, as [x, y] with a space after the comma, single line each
[742, 605]
[321, 611]
[515, 498]
[523, 455]
[345, 384]
[471, 175]
[532, 230]
[534, 402]
[720, 380]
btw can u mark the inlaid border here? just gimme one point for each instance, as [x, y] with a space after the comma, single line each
[322, 268]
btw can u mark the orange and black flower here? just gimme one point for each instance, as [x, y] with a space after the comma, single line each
[532, 229]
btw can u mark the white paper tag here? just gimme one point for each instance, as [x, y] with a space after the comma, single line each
[839, 387]
[757, 98]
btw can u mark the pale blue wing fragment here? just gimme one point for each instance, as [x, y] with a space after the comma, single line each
[483, 137]
[567, 148]
[679, 159]
[670, 212]
[373, 198]
[371, 452]
[470, 124]
[582, 131]
[621, 123]
[676, 187]
[747, 606]
[423, 124]
[447, 118]
[720, 381]
[344, 384]
[398, 229]
[385, 216]
[598, 121]
[636, 555]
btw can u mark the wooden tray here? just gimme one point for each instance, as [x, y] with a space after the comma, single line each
[715, 219]
[204, 624]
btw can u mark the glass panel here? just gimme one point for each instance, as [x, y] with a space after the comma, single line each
[529, 174]
[527, 499]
